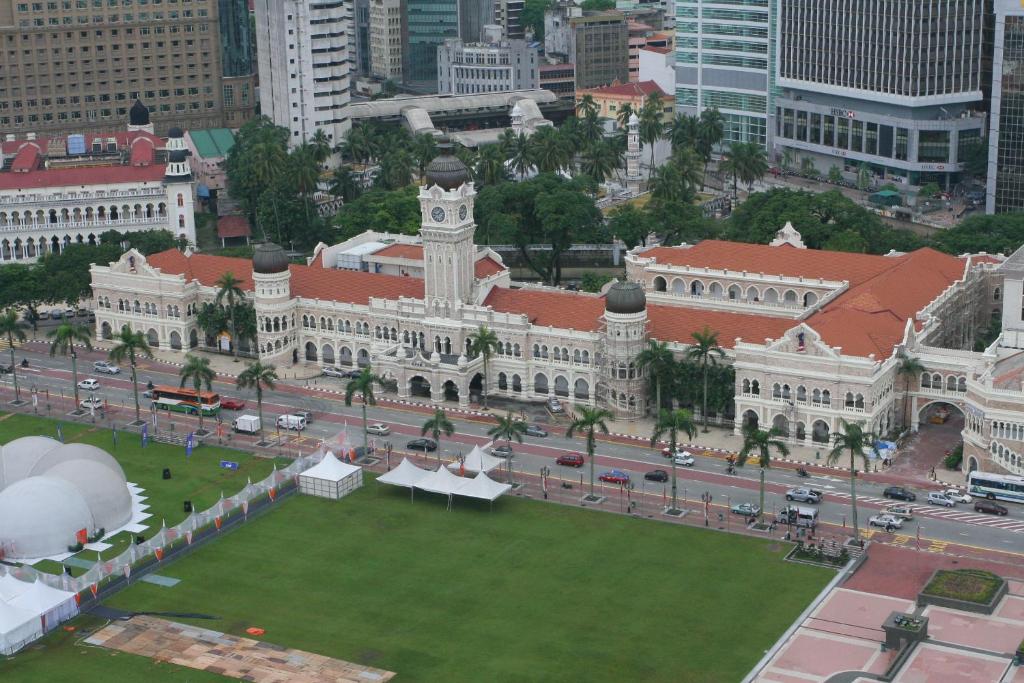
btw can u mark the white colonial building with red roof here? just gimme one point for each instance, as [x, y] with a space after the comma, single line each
[815, 337]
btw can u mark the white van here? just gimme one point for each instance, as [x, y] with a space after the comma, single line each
[799, 515]
[296, 422]
[246, 424]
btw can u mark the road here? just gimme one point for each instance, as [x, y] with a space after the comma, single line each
[936, 527]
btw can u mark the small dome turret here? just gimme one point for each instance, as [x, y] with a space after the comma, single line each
[269, 258]
[175, 133]
[625, 298]
[138, 115]
[447, 171]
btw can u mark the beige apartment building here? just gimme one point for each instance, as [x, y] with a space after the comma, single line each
[386, 39]
[78, 65]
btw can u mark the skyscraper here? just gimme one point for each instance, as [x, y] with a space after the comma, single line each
[426, 24]
[599, 46]
[1005, 189]
[386, 39]
[238, 60]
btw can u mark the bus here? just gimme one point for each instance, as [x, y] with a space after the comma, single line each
[1008, 487]
[185, 400]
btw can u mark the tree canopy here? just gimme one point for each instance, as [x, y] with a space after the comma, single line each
[396, 211]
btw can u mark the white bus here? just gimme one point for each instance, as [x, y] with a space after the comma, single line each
[996, 486]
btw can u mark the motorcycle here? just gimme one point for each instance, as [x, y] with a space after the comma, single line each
[801, 472]
[730, 469]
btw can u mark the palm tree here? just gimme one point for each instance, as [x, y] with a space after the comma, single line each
[438, 424]
[490, 165]
[590, 129]
[362, 384]
[688, 168]
[705, 353]
[651, 126]
[130, 345]
[345, 185]
[198, 371]
[548, 150]
[908, 368]
[710, 131]
[14, 330]
[587, 106]
[519, 153]
[508, 428]
[320, 145]
[625, 111]
[682, 132]
[257, 376]
[746, 162]
[229, 287]
[484, 342]
[600, 160]
[63, 340]
[761, 442]
[658, 363]
[424, 149]
[673, 423]
[590, 420]
[854, 439]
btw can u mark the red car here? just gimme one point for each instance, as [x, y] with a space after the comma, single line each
[232, 403]
[570, 460]
[614, 477]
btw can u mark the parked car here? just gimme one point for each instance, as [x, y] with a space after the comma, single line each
[378, 429]
[958, 496]
[57, 315]
[502, 451]
[940, 498]
[804, 495]
[91, 403]
[44, 315]
[887, 522]
[105, 367]
[899, 493]
[554, 405]
[83, 312]
[684, 459]
[334, 372]
[614, 477]
[656, 475]
[572, 460]
[296, 422]
[232, 403]
[745, 509]
[89, 384]
[69, 313]
[535, 430]
[352, 374]
[990, 507]
[425, 445]
[904, 512]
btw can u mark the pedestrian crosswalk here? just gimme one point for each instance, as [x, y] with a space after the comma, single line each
[952, 514]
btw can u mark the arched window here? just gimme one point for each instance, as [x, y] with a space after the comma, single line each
[181, 199]
[810, 298]
[755, 388]
[816, 397]
[660, 284]
[746, 386]
[951, 383]
[926, 381]
[536, 350]
[801, 394]
[785, 392]
[859, 401]
[735, 292]
[961, 384]
[849, 399]
[776, 390]
[826, 398]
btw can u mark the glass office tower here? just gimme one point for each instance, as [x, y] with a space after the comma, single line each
[1005, 190]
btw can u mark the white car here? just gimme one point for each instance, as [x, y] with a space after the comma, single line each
[940, 498]
[901, 510]
[91, 403]
[684, 459]
[886, 522]
[335, 372]
[958, 496]
[378, 429]
[104, 366]
[89, 384]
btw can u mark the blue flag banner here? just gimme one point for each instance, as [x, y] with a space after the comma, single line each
[189, 443]
[145, 434]
[60, 433]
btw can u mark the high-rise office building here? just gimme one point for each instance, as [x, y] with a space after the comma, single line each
[80, 66]
[361, 38]
[386, 39]
[304, 66]
[497, 66]
[599, 47]
[473, 16]
[1005, 189]
[509, 15]
[900, 90]
[426, 24]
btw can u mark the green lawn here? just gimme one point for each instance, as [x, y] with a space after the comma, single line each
[199, 478]
[529, 592]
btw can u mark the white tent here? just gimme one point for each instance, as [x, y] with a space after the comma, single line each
[18, 628]
[330, 478]
[441, 481]
[478, 461]
[406, 474]
[11, 587]
[483, 487]
[52, 604]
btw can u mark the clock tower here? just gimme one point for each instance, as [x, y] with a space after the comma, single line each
[447, 227]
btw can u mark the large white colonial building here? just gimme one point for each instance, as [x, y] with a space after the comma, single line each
[815, 337]
[67, 190]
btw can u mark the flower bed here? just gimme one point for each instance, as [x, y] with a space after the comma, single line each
[817, 554]
[971, 590]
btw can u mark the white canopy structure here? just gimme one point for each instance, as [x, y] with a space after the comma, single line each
[441, 481]
[478, 461]
[330, 478]
[406, 474]
[18, 628]
[51, 604]
[483, 487]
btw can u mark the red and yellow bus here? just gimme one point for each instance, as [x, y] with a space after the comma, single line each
[184, 400]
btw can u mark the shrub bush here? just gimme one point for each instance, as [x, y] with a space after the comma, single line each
[969, 585]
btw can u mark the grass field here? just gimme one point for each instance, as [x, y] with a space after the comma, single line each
[199, 478]
[529, 592]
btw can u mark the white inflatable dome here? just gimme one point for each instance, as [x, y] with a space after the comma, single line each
[76, 451]
[39, 516]
[18, 457]
[107, 496]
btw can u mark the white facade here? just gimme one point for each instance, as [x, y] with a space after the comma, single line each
[304, 66]
[386, 39]
[471, 68]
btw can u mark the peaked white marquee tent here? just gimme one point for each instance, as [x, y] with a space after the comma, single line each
[406, 474]
[444, 482]
[330, 478]
[478, 460]
[18, 628]
[483, 487]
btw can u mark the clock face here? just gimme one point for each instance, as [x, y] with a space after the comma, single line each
[437, 214]
[463, 211]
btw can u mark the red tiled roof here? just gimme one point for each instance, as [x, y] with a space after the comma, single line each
[27, 159]
[678, 323]
[413, 252]
[560, 309]
[143, 152]
[205, 268]
[486, 267]
[123, 137]
[233, 226]
[636, 89]
[82, 176]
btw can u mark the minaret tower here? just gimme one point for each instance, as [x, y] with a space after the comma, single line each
[447, 227]
[633, 154]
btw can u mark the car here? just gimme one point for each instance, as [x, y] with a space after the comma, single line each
[305, 414]
[44, 315]
[425, 445]
[57, 315]
[83, 312]
[684, 459]
[554, 405]
[899, 493]
[378, 429]
[614, 477]
[571, 460]
[91, 403]
[148, 393]
[940, 498]
[535, 430]
[656, 475]
[990, 507]
[958, 496]
[904, 512]
[502, 451]
[291, 421]
[804, 495]
[745, 509]
[887, 522]
[352, 374]
[335, 372]
[105, 367]
[232, 403]
[89, 384]
[69, 313]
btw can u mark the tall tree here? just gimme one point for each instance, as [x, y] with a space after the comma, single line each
[257, 376]
[599, 160]
[854, 440]
[484, 343]
[682, 132]
[363, 385]
[705, 352]
[746, 162]
[320, 145]
[625, 111]
[229, 289]
[548, 150]
[508, 428]
[658, 363]
[587, 106]
[519, 153]
[673, 423]
[345, 185]
[437, 425]
[129, 346]
[590, 421]
[424, 149]
[710, 131]
[490, 165]
[197, 370]
[652, 127]
[761, 442]
[62, 340]
[908, 368]
[13, 330]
